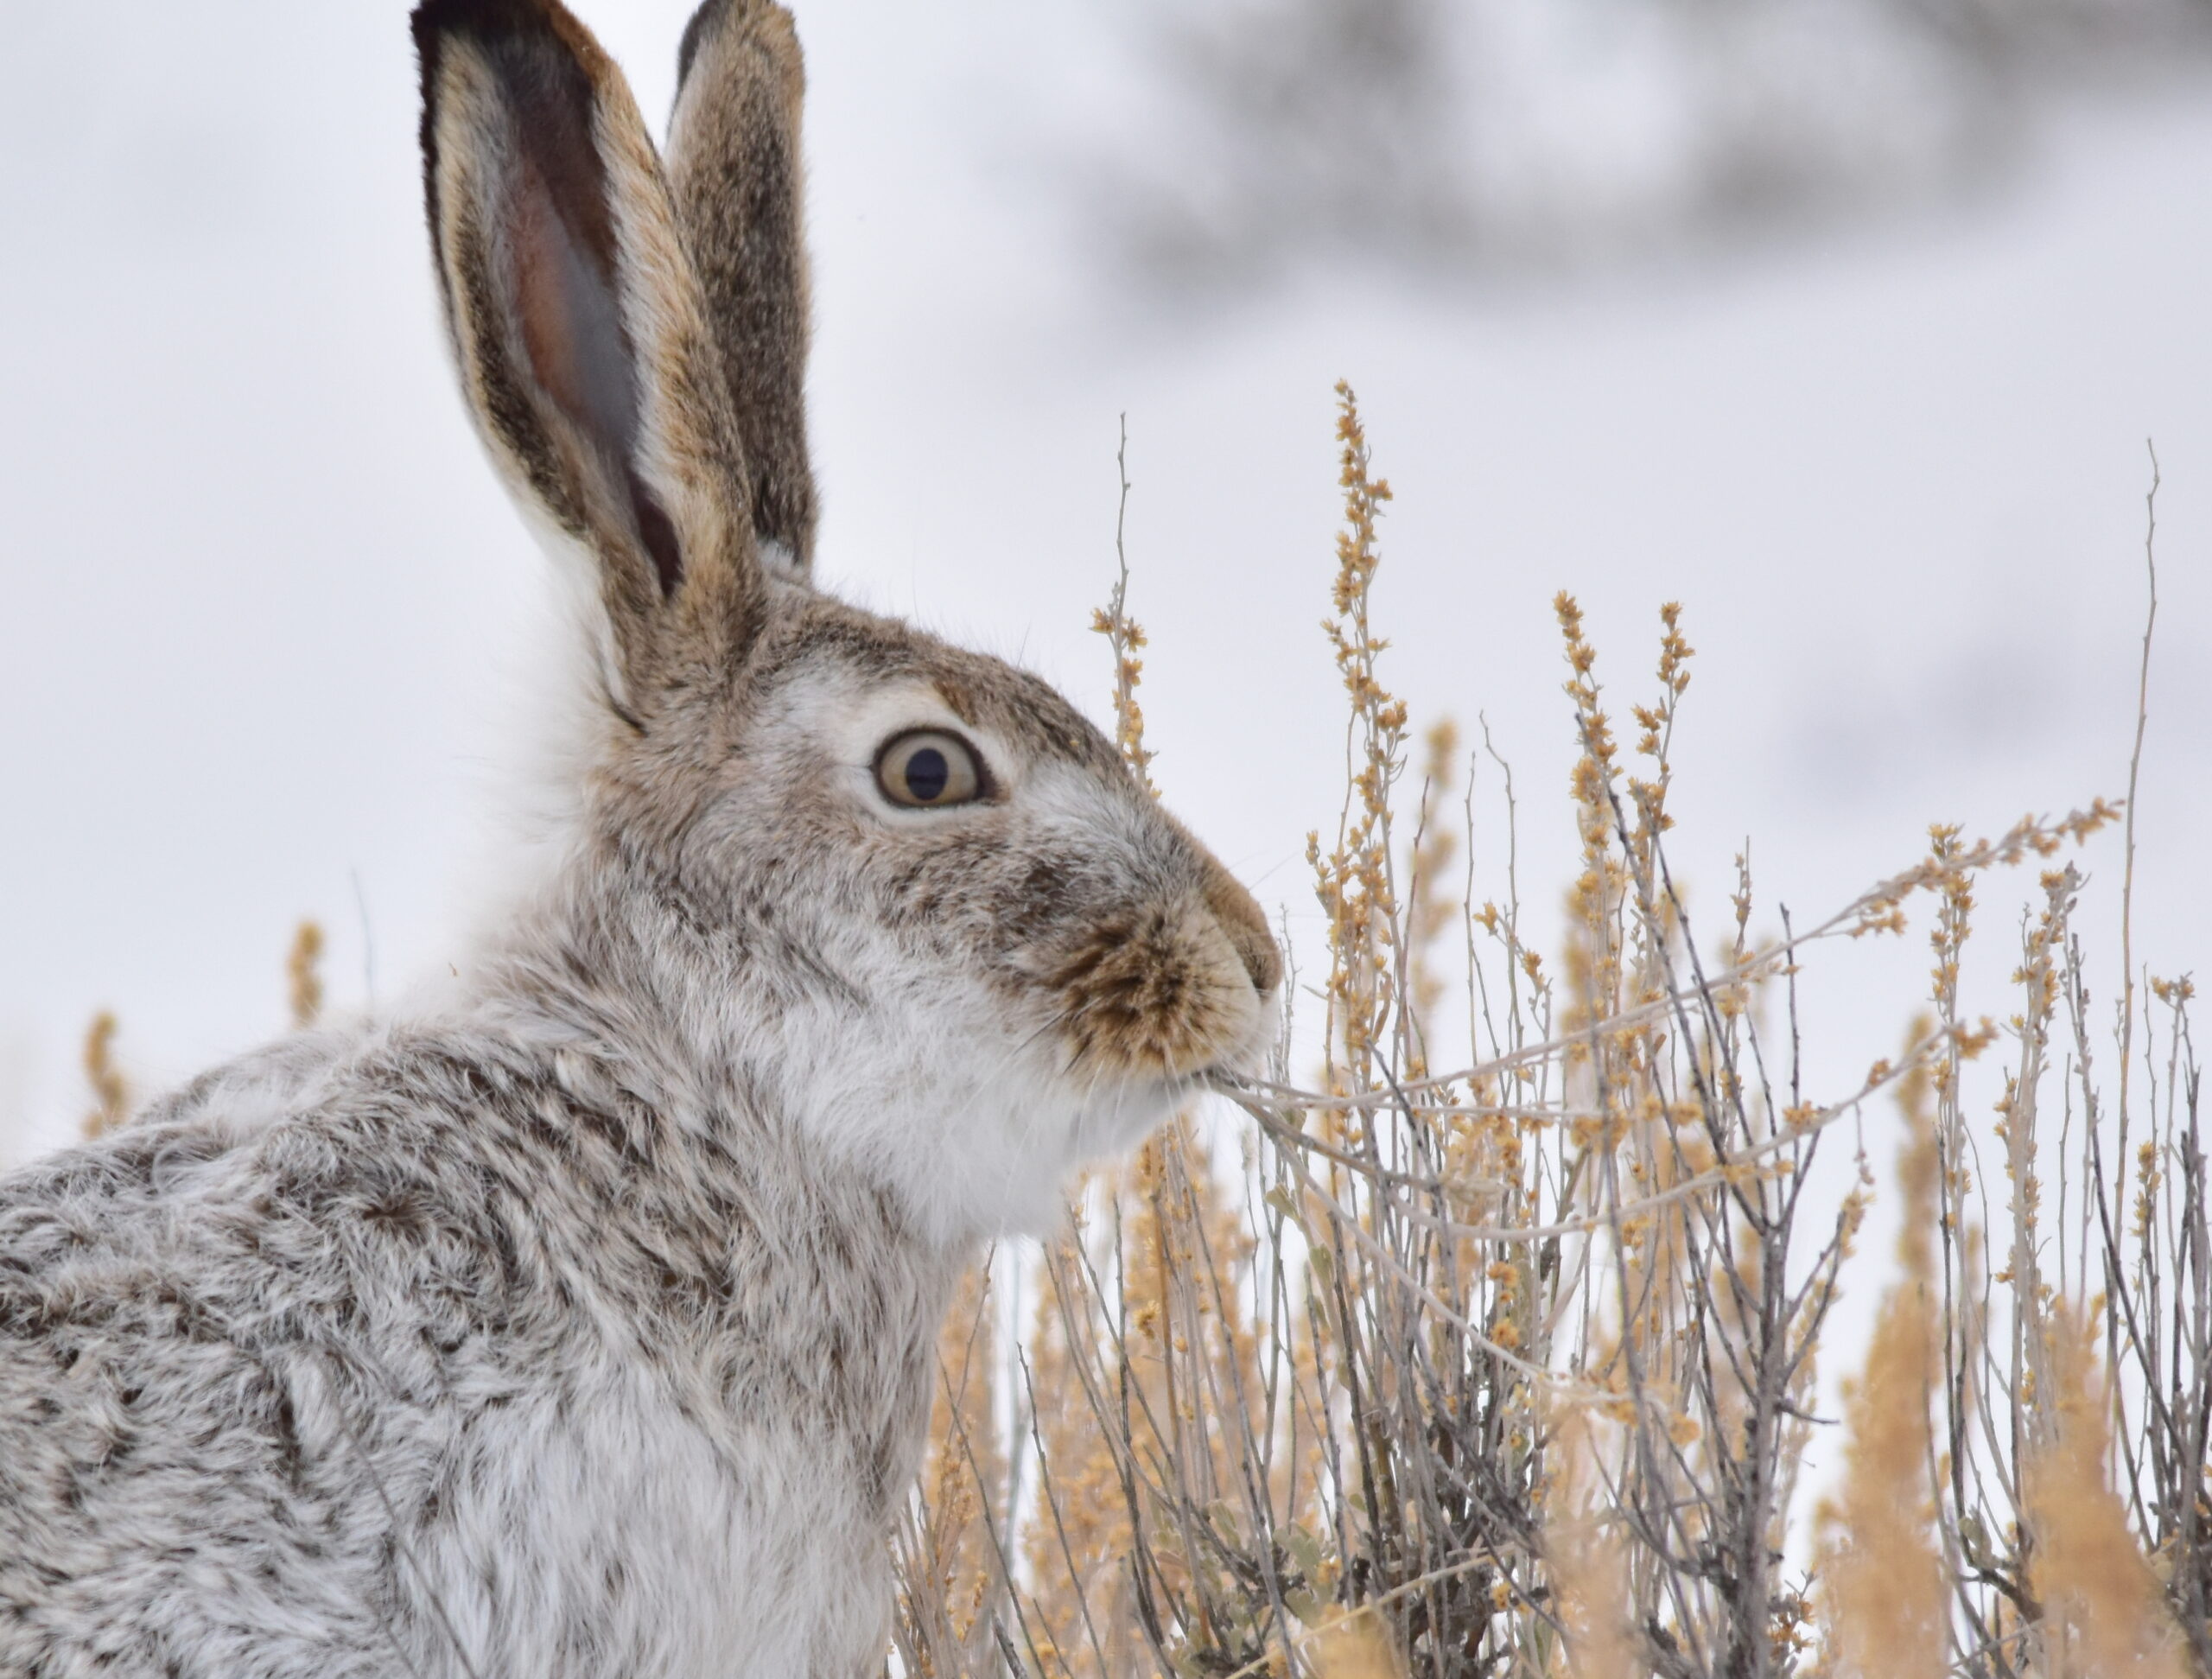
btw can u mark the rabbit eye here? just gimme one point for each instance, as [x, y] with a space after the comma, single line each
[928, 769]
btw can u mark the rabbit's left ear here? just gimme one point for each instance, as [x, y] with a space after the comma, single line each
[583, 332]
[734, 171]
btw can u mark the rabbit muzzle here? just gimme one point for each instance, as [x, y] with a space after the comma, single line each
[1172, 989]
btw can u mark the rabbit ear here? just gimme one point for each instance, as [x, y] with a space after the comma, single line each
[734, 171]
[580, 329]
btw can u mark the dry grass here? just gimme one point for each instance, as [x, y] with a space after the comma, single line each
[1887, 1594]
[103, 1076]
[1492, 1349]
[303, 976]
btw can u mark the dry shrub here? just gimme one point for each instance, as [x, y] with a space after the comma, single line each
[1887, 1590]
[1353, 1647]
[2101, 1609]
[1491, 1350]
[303, 976]
[951, 1543]
[1587, 1562]
[104, 1078]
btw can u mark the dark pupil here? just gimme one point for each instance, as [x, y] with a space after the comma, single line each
[927, 774]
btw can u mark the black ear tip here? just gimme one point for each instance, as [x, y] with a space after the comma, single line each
[427, 23]
[436, 22]
[434, 18]
[710, 15]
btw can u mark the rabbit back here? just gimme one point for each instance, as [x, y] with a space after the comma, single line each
[163, 1503]
[389, 1384]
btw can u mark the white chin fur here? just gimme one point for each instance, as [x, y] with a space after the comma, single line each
[978, 1129]
[1004, 1166]
[980, 1126]
[1116, 1125]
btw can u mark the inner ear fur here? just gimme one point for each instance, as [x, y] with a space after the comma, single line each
[736, 176]
[578, 324]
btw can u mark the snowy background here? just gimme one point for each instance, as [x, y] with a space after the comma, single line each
[1843, 321]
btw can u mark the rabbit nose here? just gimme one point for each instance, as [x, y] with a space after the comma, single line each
[1239, 918]
[1262, 960]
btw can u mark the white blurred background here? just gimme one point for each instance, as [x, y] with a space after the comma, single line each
[1845, 323]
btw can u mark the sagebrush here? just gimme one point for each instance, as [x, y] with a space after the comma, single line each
[1491, 1349]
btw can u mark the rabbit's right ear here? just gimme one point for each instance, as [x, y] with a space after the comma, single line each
[734, 170]
[583, 338]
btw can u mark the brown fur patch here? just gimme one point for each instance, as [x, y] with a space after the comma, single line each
[956, 699]
[1139, 995]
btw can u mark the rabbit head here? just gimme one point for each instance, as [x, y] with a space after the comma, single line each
[900, 899]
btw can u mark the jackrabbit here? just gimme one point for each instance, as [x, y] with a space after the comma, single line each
[583, 1325]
